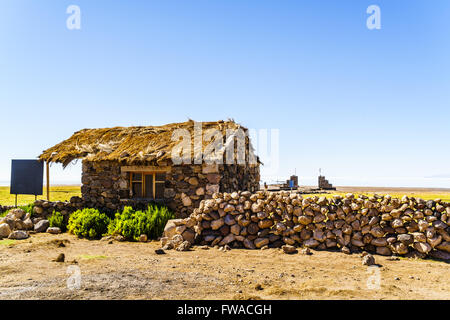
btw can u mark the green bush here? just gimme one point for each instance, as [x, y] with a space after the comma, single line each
[28, 208]
[131, 224]
[57, 220]
[88, 223]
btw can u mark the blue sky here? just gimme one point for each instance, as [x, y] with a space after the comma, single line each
[369, 107]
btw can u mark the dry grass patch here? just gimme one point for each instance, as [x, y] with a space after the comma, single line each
[57, 193]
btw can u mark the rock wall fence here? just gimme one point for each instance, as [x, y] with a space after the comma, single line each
[5, 208]
[383, 225]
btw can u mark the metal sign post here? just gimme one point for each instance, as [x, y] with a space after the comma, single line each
[47, 173]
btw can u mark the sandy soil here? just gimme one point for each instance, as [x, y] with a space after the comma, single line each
[123, 270]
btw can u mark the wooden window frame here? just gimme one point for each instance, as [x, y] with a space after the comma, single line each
[142, 182]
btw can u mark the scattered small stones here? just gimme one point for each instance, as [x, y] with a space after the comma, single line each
[54, 230]
[61, 257]
[259, 287]
[307, 251]
[143, 238]
[160, 251]
[288, 249]
[184, 246]
[364, 253]
[368, 260]
[225, 248]
[18, 235]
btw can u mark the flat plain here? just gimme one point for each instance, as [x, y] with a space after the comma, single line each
[57, 193]
[132, 270]
[65, 192]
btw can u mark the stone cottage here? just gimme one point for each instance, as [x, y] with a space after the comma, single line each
[177, 164]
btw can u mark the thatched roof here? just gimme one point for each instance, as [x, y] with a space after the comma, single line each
[130, 145]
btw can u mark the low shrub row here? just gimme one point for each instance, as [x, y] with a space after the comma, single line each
[131, 224]
[88, 223]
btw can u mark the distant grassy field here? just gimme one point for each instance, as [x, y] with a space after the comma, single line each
[64, 193]
[57, 193]
[422, 195]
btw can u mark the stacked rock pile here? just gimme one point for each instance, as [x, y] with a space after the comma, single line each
[17, 225]
[44, 209]
[384, 225]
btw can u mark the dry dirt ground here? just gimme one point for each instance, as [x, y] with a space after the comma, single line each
[124, 270]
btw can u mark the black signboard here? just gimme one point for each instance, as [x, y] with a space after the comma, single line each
[27, 177]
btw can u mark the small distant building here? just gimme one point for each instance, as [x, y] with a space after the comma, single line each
[292, 183]
[294, 180]
[324, 184]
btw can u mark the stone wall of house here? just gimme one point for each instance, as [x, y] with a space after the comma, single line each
[237, 177]
[409, 226]
[187, 186]
[104, 186]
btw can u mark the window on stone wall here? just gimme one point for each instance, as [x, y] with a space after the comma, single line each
[147, 185]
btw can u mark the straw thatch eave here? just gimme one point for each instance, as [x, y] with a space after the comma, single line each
[128, 145]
